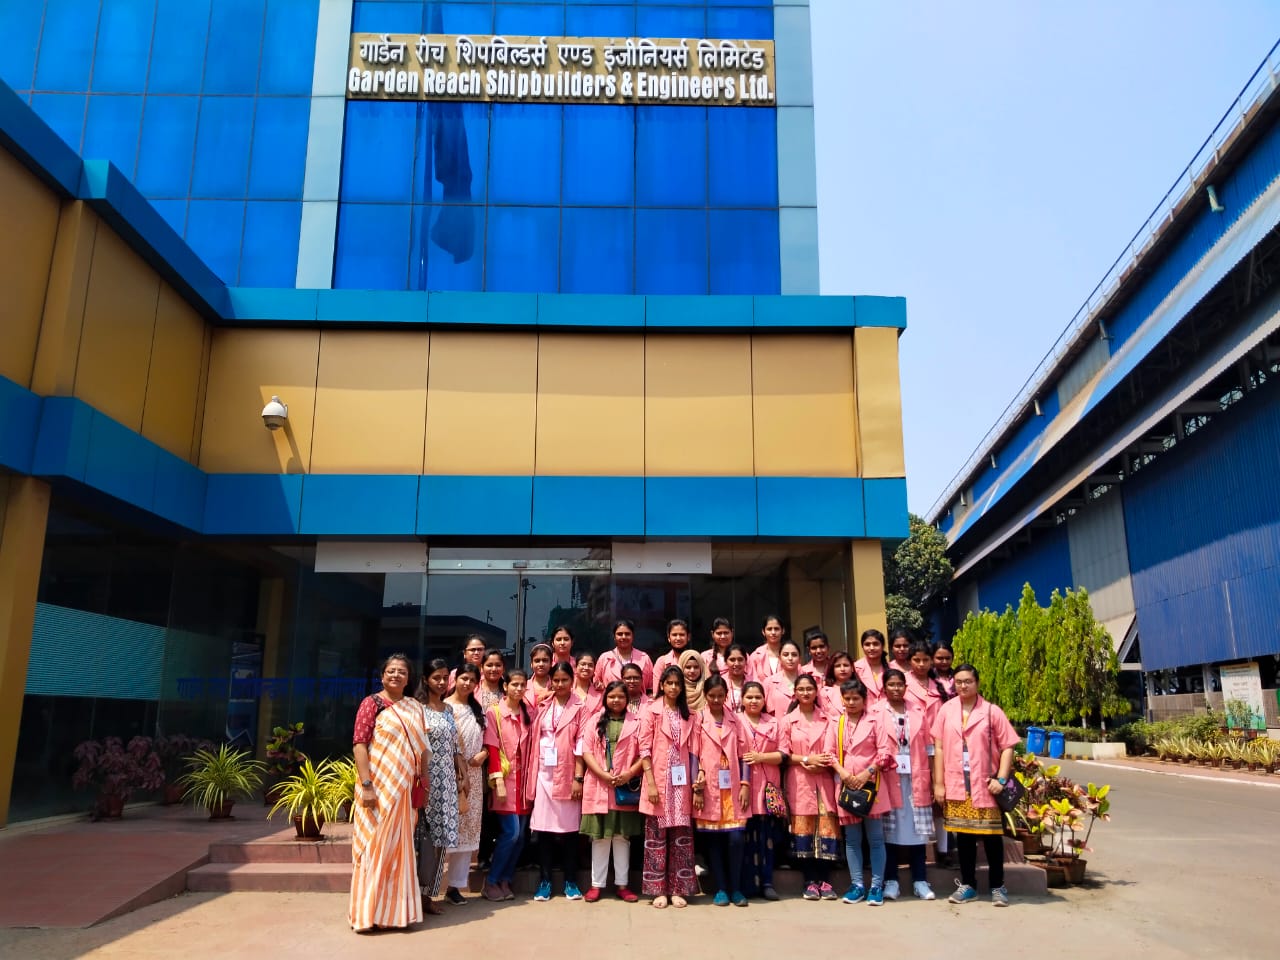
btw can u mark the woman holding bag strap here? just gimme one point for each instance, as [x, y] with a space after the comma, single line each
[608, 763]
[863, 750]
[971, 737]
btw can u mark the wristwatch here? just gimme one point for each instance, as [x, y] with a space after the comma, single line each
[1002, 780]
[366, 783]
[579, 779]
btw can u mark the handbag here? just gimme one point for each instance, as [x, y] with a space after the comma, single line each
[628, 794]
[775, 804]
[1013, 791]
[503, 763]
[856, 800]
[418, 792]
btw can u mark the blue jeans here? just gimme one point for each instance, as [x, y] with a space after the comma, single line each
[506, 851]
[874, 829]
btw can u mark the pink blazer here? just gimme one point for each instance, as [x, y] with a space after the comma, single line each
[759, 666]
[567, 719]
[592, 703]
[657, 745]
[925, 694]
[832, 702]
[715, 741]
[818, 674]
[919, 739]
[762, 738]
[715, 662]
[609, 667]
[777, 696]
[872, 681]
[952, 735]
[798, 737]
[514, 743]
[597, 795]
[867, 744]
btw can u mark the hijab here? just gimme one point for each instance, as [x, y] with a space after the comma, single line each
[693, 691]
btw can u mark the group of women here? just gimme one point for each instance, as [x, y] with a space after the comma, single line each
[721, 749]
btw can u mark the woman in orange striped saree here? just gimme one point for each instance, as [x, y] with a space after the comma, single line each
[390, 746]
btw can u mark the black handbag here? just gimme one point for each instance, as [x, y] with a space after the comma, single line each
[1013, 791]
[856, 800]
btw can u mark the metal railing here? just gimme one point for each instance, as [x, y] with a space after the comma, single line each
[1258, 88]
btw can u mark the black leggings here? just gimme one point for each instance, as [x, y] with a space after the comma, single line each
[568, 846]
[814, 870]
[724, 856]
[914, 855]
[967, 848]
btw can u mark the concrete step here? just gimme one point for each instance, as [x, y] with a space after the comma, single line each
[285, 847]
[270, 877]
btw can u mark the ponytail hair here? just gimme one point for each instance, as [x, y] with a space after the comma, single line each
[682, 701]
[523, 675]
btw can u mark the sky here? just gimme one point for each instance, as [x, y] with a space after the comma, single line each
[989, 160]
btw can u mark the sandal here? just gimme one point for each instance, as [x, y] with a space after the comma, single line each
[678, 902]
[659, 903]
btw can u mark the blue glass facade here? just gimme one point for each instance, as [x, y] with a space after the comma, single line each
[207, 106]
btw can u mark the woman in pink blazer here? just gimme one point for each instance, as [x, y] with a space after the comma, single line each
[678, 641]
[610, 663]
[722, 792]
[764, 766]
[735, 677]
[562, 646]
[973, 745]
[908, 826]
[779, 688]
[637, 697]
[506, 736]
[922, 688]
[808, 738]
[863, 751]
[870, 666]
[552, 789]
[839, 669]
[584, 685]
[819, 649]
[721, 641]
[609, 760]
[668, 736]
[764, 660]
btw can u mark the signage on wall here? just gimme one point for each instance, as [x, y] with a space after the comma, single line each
[510, 69]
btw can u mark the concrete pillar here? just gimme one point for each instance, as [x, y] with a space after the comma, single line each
[866, 585]
[24, 514]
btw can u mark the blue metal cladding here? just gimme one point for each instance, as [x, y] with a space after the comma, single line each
[204, 105]
[1204, 540]
[662, 200]
[1045, 564]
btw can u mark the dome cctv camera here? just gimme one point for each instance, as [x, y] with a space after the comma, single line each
[275, 413]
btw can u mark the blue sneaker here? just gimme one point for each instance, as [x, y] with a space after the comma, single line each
[875, 897]
[721, 899]
[571, 891]
[964, 893]
[544, 891]
[854, 894]
[740, 899]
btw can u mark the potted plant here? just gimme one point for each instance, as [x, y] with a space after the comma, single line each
[311, 797]
[214, 780]
[283, 757]
[116, 771]
[345, 776]
[173, 751]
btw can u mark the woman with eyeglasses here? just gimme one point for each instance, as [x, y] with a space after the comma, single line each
[908, 824]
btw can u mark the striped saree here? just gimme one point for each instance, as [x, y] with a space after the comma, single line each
[384, 876]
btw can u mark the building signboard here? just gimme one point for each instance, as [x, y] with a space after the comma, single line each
[1242, 684]
[602, 70]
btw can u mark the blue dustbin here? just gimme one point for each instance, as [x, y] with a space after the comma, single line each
[1035, 740]
[1057, 745]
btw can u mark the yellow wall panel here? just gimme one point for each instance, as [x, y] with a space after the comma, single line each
[245, 368]
[371, 402]
[867, 585]
[590, 405]
[174, 380]
[56, 352]
[481, 403]
[28, 230]
[119, 319]
[697, 411]
[879, 402]
[804, 408]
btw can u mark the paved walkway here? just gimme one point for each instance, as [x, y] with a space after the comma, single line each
[1186, 869]
[73, 873]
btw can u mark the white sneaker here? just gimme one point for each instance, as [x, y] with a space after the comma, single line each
[891, 890]
[923, 890]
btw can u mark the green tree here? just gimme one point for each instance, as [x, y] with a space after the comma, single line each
[1088, 666]
[916, 573]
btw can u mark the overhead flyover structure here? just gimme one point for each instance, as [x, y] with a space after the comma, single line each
[1139, 460]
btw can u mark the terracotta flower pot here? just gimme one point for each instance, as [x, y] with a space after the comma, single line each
[221, 811]
[272, 794]
[109, 806]
[310, 828]
[1055, 874]
[172, 794]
